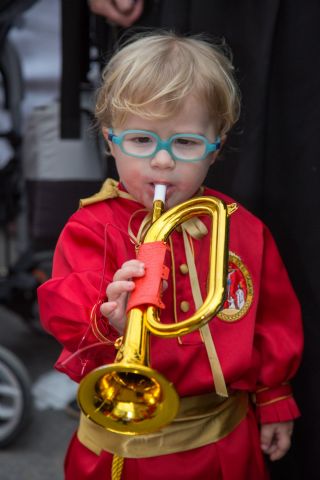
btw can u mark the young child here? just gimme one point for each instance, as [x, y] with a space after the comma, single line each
[165, 107]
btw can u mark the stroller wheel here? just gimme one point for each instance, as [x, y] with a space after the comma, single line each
[15, 397]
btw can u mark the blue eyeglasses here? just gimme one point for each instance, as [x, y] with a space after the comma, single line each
[184, 147]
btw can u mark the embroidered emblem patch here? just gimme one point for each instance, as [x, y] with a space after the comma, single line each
[239, 290]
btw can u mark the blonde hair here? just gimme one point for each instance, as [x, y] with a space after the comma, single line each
[152, 75]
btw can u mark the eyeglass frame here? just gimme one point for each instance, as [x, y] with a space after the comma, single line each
[165, 144]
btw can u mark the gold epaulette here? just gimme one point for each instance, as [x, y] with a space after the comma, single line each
[109, 189]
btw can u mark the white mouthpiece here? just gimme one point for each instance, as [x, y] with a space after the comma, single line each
[160, 192]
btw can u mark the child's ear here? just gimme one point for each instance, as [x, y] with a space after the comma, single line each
[105, 133]
[215, 154]
[223, 141]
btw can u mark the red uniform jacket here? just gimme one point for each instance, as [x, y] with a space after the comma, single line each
[258, 336]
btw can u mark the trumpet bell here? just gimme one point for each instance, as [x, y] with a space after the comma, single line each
[130, 399]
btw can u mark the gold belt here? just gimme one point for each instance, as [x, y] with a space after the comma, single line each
[201, 420]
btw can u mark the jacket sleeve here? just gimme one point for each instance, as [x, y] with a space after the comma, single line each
[81, 271]
[278, 339]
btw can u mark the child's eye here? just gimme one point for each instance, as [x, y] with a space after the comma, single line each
[138, 143]
[140, 140]
[186, 142]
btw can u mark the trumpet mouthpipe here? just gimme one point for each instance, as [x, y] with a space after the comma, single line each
[159, 199]
[160, 192]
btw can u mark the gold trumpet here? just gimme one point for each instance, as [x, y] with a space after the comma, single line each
[128, 396]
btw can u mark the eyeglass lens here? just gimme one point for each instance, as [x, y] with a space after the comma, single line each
[145, 144]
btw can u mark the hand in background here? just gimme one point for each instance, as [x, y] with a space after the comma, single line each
[120, 12]
[275, 439]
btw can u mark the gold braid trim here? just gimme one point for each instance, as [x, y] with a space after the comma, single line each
[109, 189]
[264, 389]
[144, 227]
[95, 328]
[117, 466]
[274, 400]
[218, 377]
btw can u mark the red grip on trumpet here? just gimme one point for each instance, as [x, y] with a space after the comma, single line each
[148, 288]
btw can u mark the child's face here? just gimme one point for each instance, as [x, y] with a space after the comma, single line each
[139, 175]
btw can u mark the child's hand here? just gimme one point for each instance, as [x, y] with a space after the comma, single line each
[275, 439]
[118, 291]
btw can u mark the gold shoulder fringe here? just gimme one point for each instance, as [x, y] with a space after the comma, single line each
[109, 189]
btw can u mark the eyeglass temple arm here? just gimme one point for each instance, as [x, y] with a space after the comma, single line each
[213, 147]
[112, 137]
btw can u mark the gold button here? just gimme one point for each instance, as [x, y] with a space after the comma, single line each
[185, 306]
[184, 268]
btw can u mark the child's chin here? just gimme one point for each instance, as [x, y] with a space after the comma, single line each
[172, 201]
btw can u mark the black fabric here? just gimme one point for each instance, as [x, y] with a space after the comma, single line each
[75, 64]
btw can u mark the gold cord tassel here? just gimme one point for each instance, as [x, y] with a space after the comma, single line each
[117, 466]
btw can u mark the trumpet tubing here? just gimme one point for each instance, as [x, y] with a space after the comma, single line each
[218, 260]
[128, 396]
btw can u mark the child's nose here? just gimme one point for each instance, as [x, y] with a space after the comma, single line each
[162, 160]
